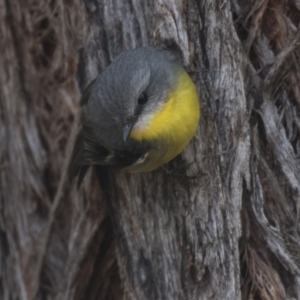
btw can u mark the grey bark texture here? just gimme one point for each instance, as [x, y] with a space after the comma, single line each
[218, 222]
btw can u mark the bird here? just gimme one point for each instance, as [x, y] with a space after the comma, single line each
[138, 113]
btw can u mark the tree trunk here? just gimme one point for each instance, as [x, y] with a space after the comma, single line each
[218, 222]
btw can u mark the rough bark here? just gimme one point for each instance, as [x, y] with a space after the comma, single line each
[54, 241]
[218, 222]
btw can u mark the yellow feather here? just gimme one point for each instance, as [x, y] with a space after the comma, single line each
[173, 126]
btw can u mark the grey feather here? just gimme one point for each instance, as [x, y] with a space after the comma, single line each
[111, 101]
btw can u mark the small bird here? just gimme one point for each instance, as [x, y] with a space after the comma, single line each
[139, 113]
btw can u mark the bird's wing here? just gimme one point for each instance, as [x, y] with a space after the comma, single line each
[88, 153]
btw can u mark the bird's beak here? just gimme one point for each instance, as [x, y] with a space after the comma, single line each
[126, 130]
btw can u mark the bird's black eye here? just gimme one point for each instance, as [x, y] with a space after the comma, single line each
[143, 98]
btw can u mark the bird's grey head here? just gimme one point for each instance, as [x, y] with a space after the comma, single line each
[127, 93]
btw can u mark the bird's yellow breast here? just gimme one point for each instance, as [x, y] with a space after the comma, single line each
[172, 127]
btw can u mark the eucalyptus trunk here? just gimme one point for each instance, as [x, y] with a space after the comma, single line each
[218, 222]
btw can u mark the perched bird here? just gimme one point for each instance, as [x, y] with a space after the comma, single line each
[139, 113]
